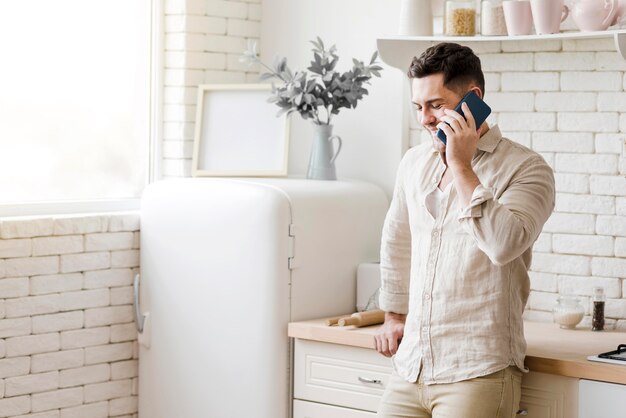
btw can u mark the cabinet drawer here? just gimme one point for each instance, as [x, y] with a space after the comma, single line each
[549, 396]
[339, 375]
[601, 399]
[304, 409]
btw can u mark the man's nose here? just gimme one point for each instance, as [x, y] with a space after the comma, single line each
[427, 117]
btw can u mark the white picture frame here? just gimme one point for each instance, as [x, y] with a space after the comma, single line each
[237, 132]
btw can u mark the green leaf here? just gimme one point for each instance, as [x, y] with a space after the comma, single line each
[333, 64]
[316, 45]
[319, 40]
[318, 59]
[374, 56]
[282, 65]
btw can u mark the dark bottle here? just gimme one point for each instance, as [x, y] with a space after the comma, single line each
[597, 320]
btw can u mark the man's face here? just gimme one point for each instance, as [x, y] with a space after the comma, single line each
[430, 97]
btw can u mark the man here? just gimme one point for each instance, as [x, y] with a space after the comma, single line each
[456, 248]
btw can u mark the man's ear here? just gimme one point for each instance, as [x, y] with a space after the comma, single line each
[477, 90]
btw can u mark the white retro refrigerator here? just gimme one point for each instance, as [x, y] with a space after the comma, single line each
[225, 265]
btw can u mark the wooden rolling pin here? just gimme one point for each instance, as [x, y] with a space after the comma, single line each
[363, 319]
[333, 321]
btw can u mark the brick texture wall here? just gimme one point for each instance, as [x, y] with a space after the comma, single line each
[203, 42]
[566, 100]
[67, 337]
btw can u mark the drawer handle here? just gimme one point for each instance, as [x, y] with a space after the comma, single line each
[366, 380]
[522, 412]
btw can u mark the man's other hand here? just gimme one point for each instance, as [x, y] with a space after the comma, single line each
[390, 334]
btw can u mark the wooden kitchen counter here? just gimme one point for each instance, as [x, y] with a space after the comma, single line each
[550, 349]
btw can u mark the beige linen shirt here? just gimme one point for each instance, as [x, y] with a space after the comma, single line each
[462, 277]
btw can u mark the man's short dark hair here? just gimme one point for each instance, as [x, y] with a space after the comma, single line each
[458, 64]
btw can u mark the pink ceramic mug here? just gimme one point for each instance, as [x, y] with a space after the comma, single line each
[548, 15]
[517, 16]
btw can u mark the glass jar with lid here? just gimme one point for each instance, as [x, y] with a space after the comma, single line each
[568, 312]
[460, 18]
[599, 298]
[492, 18]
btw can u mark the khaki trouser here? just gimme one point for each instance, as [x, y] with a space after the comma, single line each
[496, 395]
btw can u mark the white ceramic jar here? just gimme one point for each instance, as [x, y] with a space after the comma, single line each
[416, 18]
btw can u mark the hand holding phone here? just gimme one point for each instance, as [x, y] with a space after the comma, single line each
[479, 109]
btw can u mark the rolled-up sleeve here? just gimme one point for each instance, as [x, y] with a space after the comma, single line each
[506, 227]
[395, 252]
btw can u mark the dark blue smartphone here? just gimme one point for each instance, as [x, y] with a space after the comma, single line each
[480, 110]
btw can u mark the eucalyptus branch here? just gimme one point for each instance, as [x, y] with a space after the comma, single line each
[305, 92]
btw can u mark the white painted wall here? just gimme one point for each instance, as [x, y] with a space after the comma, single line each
[371, 133]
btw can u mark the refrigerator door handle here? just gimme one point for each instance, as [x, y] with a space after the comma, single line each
[139, 317]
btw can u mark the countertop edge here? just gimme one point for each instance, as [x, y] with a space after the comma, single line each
[566, 364]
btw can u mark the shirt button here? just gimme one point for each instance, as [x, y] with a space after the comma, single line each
[426, 296]
[424, 330]
[436, 233]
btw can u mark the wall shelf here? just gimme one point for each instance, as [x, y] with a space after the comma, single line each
[398, 51]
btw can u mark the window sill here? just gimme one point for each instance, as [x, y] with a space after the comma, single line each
[69, 207]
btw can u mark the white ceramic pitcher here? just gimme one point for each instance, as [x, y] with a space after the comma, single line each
[322, 159]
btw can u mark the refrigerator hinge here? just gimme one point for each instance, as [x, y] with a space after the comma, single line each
[292, 247]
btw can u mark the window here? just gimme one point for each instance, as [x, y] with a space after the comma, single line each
[75, 105]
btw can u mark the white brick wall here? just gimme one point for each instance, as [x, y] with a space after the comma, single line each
[566, 100]
[67, 337]
[203, 41]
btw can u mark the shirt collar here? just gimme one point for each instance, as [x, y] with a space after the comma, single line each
[489, 141]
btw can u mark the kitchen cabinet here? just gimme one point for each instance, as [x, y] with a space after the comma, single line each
[332, 380]
[549, 396]
[337, 373]
[398, 51]
[333, 374]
